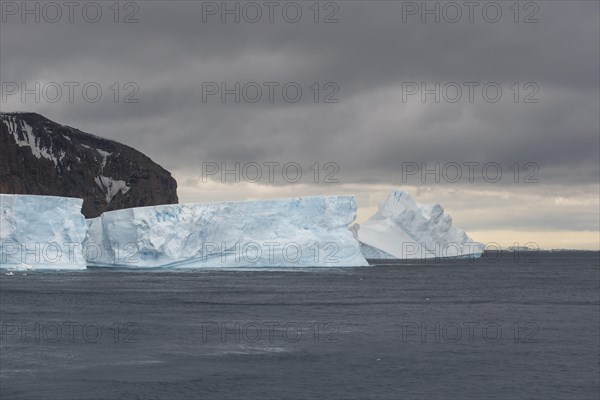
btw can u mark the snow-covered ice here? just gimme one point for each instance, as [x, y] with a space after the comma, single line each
[41, 232]
[405, 229]
[298, 232]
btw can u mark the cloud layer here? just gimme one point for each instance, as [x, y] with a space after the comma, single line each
[376, 61]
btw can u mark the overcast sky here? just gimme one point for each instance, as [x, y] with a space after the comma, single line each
[362, 76]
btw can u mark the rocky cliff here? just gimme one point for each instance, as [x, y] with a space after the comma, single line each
[38, 156]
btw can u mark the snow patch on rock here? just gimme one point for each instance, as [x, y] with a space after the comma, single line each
[111, 187]
[24, 137]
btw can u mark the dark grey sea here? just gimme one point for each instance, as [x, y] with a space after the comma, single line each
[510, 327]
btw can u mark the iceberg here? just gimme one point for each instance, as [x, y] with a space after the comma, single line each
[405, 229]
[48, 232]
[298, 232]
[41, 232]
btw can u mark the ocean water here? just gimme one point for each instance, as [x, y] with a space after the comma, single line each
[524, 327]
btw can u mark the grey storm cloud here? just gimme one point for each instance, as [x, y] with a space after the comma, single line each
[370, 55]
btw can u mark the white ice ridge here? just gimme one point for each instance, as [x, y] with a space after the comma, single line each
[405, 229]
[41, 232]
[298, 232]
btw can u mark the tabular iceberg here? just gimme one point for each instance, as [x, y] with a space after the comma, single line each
[41, 232]
[299, 232]
[405, 229]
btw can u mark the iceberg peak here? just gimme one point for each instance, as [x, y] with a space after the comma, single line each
[405, 229]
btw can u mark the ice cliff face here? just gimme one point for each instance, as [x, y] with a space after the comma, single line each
[41, 232]
[50, 232]
[405, 229]
[38, 156]
[300, 232]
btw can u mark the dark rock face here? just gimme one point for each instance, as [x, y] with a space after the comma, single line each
[38, 156]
